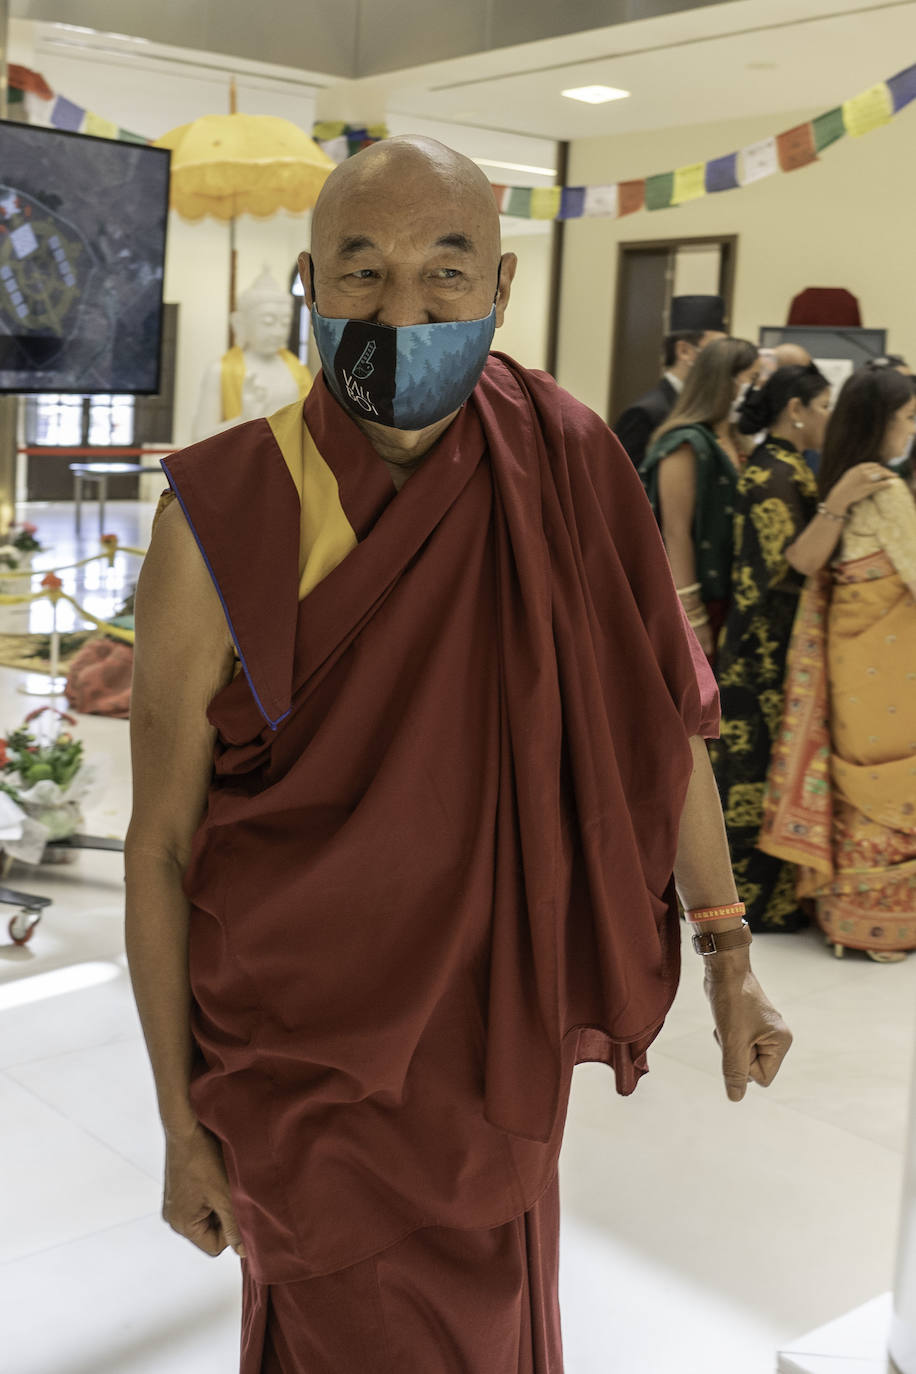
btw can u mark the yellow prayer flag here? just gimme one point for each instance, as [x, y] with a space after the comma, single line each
[102, 128]
[545, 202]
[868, 111]
[689, 183]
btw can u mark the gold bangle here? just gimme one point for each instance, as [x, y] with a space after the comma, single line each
[698, 623]
[822, 510]
[688, 591]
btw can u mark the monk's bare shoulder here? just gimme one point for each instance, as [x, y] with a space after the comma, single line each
[178, 608]
[183, 656]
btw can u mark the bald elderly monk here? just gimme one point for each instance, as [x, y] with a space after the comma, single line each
[418, 733]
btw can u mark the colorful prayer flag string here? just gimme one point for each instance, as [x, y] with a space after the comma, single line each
[786, 152]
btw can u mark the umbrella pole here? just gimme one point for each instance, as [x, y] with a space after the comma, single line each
[233, 261]
[233, 254]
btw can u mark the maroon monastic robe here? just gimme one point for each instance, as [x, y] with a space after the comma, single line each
[435, 868]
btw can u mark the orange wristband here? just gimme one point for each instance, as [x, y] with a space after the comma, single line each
[716, 913]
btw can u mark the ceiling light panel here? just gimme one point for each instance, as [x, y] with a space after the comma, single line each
[595, 95]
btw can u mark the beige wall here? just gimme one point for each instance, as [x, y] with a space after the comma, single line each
[849, 220]
[524, 332]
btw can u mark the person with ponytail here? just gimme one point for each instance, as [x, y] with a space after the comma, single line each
[775, 503]
[690, 474]
[841, 792]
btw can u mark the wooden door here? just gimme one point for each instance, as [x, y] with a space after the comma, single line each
[647, 278]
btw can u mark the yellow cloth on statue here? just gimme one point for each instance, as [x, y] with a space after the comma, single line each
[233, 379]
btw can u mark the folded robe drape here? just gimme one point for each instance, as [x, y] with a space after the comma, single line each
[435, 867]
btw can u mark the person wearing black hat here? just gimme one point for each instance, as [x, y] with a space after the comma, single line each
[695, 322]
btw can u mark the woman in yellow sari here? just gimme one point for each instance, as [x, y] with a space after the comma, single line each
[841, 794]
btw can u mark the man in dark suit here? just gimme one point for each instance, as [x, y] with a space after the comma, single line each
[695, 322]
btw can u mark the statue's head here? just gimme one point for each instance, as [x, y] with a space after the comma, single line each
[263, 316]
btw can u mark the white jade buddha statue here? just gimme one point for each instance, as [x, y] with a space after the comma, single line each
[259, 374]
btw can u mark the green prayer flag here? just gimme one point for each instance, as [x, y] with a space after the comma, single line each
[828, 128]
[659, 191]
[519, 202]
[125, 136]
[14, 95]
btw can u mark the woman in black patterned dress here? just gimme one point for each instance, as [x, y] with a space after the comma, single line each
[782, 535]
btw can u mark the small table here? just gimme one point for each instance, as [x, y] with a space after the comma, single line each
[100, 473]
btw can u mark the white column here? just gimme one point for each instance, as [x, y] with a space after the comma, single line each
[903, 1323]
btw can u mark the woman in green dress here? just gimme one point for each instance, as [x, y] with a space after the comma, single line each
[690, 473]
[781, 535]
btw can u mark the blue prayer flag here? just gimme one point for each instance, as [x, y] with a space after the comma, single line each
[722, 173]
[572, 202]
[903, 88]
[66, 115]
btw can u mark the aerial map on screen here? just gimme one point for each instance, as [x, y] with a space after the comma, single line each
[82, 249]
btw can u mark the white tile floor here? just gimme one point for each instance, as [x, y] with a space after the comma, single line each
[700, 1237]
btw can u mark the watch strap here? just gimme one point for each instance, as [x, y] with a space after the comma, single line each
[708, 942]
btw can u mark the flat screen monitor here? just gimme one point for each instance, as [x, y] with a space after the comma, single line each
[857, 346]
[82, 253]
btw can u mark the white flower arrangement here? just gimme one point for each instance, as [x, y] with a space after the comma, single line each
[42, 788]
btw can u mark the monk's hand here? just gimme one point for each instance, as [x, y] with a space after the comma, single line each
[196, 1201]
[750, 1032]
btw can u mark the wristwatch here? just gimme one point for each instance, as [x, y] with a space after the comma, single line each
[707, 942]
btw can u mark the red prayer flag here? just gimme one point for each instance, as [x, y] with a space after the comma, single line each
[24, 79]
[796, 147]
[631, 197]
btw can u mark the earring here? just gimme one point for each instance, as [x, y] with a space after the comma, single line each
[798, 424]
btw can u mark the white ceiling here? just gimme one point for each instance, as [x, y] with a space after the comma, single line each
[720, 62]
[726, 61]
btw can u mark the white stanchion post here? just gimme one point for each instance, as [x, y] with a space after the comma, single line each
[903, 1322]
[56, 685]
[55, 652]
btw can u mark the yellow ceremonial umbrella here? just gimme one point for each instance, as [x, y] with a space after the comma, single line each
[234, 164]
[241, 164]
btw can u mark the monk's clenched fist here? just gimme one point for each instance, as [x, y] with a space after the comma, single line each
[752, 1035]
[196, 1201]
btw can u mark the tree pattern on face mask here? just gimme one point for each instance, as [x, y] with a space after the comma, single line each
[776, 498]
[435, 367]
[438, 368]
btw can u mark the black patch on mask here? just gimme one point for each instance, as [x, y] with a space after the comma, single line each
[365, 367]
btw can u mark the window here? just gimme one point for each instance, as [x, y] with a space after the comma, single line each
[78, 421]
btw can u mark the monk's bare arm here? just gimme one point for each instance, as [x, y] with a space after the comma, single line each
[752, 1035]
[183, 655]
[703, 870]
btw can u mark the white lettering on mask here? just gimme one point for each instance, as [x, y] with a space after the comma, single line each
[358, 394]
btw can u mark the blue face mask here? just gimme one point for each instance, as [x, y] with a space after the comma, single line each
[408, 376]
[405, 377]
